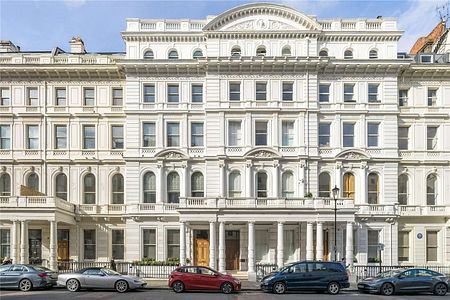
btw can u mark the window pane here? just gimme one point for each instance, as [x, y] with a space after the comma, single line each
[197, 93]
[61, 186]
[5, 185]
[288, 91]
[5, 137]
[117, 137]
[89, 244]
[149, 93]
[261, 91]
[287, 134]
[173, 93]
[324, 93]
[118, 244]
[149, 135]
[261, 185]
[261, 133]
[324, 185]
[234, 185]
[149, 243]
[117, 97]
[149, 188]
[403, 245]
[348, 138]
[197, 134]
[89, 137]
[173, 135]
[235, 91]
[89, 97]
[403, 138]
[197, 185]
[173, 188]
[349, 92]
[287, 185]
[372, 135]
[373, 188]
[234, 133]
[432, 245]
[324, 135]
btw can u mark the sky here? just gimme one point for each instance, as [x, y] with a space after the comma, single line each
[36, 25]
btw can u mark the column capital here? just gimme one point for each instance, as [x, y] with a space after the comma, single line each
[280, 222]
[251, 222]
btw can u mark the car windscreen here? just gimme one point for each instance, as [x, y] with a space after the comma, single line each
[110, 272]
[389, 273]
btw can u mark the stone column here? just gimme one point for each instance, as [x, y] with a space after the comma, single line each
[251, 252]
[15, 229]
[23, 242]
[182, 243]
[301, 179]
[248, 180]
[362, 197]
[309, 241]
[222, 180]
[53, 246]
[212, 245]
[280, 245]
[319, 241]
[184, 180]
[349, 245]
[222, 247]
[276, 180]
[160, 183]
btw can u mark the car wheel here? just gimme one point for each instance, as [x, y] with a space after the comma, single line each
[121, 286]
[333, 288]
[440, 289]
[73, 285]
[226, 288]
[279, 288]
[178, 287]
[387, 289]
[25, 285]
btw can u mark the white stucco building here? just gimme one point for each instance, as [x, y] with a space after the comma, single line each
[218, 141]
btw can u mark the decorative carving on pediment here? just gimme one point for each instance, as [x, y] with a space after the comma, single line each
[353, 155]
[261, 24]
[173, 155]
[264, 154]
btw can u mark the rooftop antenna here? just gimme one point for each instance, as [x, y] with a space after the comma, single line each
[443, 11]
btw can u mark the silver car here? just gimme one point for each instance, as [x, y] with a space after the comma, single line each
[26, 277]
[101, 278]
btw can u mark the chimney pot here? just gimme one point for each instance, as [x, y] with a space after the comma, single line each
[77, 45]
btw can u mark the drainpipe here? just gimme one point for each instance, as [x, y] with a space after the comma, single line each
[45, 140]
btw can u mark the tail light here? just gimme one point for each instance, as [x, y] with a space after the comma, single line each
[42, 275]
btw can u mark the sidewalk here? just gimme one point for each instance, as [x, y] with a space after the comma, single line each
[161, 284]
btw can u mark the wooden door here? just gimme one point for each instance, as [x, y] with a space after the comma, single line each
[326, 250]
[201, 252]
[232, 254]
[63, 250]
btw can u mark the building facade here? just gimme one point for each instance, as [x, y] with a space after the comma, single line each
[218, 142]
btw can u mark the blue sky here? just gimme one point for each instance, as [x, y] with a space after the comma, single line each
[43, 25]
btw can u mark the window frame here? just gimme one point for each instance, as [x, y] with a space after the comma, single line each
[347, 94]
[261, 95]
[403, 138]
[148, 138]
[59, 138]
[92, 193]
[197, 191]
[60, 100]
[262, 193]
[148, 97]
[150, 244]
[432, 141]
[118, 192]
[432, 247]
[62, 194]
[172, 96]
[234, 193]
[148, 192]
[237, 135]
[5, 140]
[86, 139]
[173, 54]
[90, 244]
[371, 96]
[116, 100]
[172, 245]
[30, 99]
[170, 141]
[347, 135]
[266, 134]
[287, 91]
[324, 97]
[234, 95]
[402, 248]
[5, 96]
[120, 246]
[87, 98]
[403, 97]
[287, 134]
[197, 95]
[323, 135]
[432, 99]
[197, 140]
[31, 139]
[373, 139]
[115, 140]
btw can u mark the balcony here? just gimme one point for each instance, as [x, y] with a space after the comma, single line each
[426, 210]
[377, 209]
[107, 209]
[263, 203]
[36, 202]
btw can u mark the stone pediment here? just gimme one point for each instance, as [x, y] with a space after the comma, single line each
[262, 17]
[171, 154]
[352, 154]
[262, 153]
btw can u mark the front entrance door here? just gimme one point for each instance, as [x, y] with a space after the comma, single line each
[232, 250]
[35, 246]
[63, 244]
[201, 252]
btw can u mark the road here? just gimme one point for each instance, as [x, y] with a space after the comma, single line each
[149, 294]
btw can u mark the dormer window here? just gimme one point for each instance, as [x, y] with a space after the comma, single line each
[236, 52]
[426, 59]
[373, 54]
[286, 51]
[149, 54]
[197, 54]
[173, 54]
[261, 51]
[323, 53]
[348, 54]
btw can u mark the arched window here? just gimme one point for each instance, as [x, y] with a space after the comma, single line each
[373, 189]
[33, 181]
[89, 189]
[117, 189]
[197, 185]
[324, 185]
[236, 52]
[286, 51]
[197, 54]
[173, 187]
[323, 53]
[373, 54]
[173, 54]
[149, 187]
[403, 189]
[348, 54]
[431, 189]
[149, 54]
[5, 185]
[61, 186]
[261, 51]
[234, 185]
[261, 185]
[287, 185]
[349, 186]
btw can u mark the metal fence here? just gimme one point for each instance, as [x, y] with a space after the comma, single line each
[362, 272]
[264, 269]
[126, 268]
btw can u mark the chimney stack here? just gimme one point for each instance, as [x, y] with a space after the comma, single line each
[77, 45]
[8, 46]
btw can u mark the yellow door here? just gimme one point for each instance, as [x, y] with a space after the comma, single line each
[201, 252]
[63, 250]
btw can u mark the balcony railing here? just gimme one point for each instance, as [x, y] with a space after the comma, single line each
[424, 210]
[36, 202]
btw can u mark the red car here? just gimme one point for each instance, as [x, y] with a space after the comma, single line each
[202, 278]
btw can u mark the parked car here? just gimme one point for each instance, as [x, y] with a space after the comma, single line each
[307, 275]
[202, 278]
[406, 281]
[26, 277]
[101, 278]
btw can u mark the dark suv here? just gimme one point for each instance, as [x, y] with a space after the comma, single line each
[307, 275]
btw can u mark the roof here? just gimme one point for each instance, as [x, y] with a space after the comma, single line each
[430, 39]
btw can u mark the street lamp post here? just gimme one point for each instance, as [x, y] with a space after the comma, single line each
[335, 194]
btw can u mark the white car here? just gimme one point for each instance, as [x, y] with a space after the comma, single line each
[101, 278]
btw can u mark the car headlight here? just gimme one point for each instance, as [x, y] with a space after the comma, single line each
[237, 281]
[268, 279]
[137, 281]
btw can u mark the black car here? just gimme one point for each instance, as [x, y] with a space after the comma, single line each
[307, 275]
[406, 281]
